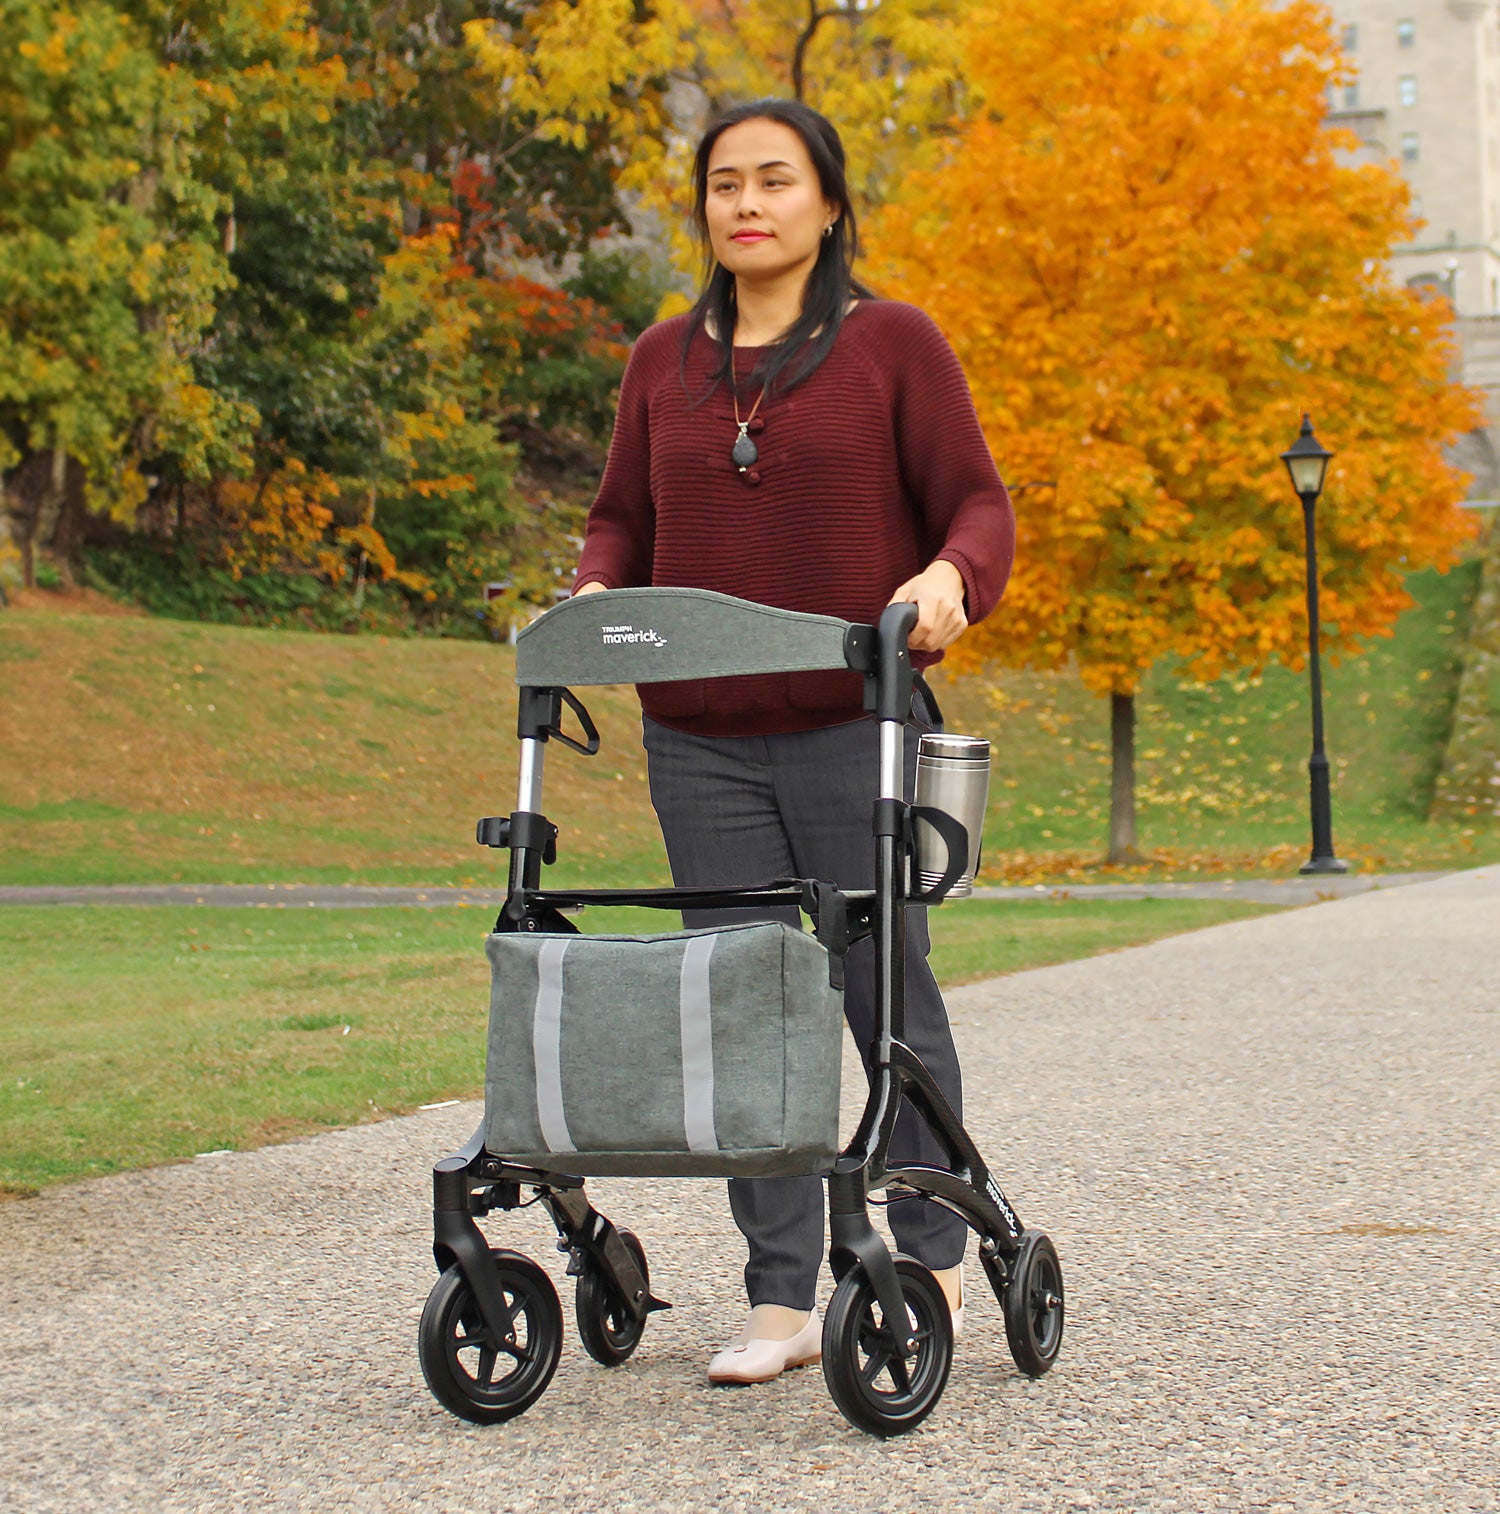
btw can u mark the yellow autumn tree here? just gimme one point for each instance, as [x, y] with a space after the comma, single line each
[1152, 258]
[567, 66]
[890, 75]
[649, 76]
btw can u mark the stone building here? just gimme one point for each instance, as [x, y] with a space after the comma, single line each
[1427, 95]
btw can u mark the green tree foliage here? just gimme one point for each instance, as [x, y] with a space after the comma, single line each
[262, 301]
[107, 265]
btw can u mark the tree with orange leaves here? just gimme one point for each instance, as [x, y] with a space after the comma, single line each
[1152, 260]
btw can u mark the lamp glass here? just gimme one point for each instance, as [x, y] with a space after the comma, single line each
[1307, 472]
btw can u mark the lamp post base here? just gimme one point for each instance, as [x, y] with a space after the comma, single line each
[1322, 865]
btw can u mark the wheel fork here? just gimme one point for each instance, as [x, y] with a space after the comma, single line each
[854, 1241]
[585, 1233]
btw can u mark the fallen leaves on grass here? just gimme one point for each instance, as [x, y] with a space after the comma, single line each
[1166, 864]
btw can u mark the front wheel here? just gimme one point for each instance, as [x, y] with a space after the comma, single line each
[480, 1375]
[877, 1389]
[1033, 1304]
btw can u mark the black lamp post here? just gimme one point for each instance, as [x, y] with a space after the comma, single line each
[1307, 462]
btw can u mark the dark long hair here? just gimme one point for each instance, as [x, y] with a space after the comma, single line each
[830, 285]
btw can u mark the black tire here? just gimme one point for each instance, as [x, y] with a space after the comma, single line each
[609, 1331]
[472, 1374]
[876, 1388]
[1034, 1304]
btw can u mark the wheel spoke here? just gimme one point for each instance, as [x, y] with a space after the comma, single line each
[512, 1347]
[878, 1360]
[899, 1373]
[507, 1346]
[485, 1376]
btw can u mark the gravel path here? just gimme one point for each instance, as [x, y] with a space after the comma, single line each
[1267, 1152]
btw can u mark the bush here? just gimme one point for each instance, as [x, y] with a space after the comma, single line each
[169, 580]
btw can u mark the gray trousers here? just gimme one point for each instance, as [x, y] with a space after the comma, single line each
[744, 810]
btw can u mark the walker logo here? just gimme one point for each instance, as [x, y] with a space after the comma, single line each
[628, 636]
[998, 1200]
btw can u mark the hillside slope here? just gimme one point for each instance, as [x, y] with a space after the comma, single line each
[137, 749]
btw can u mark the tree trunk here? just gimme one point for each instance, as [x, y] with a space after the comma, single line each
[49, 512]
[1122, 848]
[815, 19]
[70, 527]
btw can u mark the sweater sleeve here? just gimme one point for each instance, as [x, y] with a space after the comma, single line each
[946, 464]
[618, 539]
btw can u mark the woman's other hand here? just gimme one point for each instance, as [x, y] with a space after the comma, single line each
[938, 593]
[593, 586]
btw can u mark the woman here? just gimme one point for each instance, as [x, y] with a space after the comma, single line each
[794, 441]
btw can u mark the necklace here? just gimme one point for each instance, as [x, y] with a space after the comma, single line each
[744, 452]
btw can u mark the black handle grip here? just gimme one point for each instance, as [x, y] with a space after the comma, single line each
[893, 674]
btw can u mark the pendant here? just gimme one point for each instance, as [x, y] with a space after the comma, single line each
[745, 451]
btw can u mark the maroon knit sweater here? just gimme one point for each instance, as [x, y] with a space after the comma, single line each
[869, 470]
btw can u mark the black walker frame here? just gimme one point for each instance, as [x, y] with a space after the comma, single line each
[496, 1304]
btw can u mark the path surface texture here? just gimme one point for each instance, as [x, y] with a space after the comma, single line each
[1267, 1152]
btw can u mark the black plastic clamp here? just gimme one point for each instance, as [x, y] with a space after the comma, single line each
[521, 828]
[890, 818]
[539, 717]
[829, 909]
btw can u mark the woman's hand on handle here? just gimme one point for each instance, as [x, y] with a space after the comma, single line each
[938, 593]
[593, 586]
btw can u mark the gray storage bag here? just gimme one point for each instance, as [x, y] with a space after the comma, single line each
[697, 1053]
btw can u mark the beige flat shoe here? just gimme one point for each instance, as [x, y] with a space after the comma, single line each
[758, 1361]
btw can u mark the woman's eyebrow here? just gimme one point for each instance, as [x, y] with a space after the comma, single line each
[760, 168]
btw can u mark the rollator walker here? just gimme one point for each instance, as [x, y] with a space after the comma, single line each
[491, 1332]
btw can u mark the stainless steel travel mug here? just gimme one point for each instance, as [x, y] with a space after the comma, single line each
[953, 774]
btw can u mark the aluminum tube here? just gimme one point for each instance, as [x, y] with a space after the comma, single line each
[529, 788]
[891, 754]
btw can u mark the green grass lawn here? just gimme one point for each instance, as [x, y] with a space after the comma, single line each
[130, 1037]
[143, 750]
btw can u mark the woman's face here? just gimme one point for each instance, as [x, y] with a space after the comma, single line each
[765, 207]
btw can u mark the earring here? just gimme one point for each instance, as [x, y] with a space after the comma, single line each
[828, 229]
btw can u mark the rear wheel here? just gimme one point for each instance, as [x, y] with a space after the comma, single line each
[488, 1376]
[608, 1328]
[1033, 1304]
[878, 1389]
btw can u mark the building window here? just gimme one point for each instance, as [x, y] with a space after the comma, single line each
[1406, 33]
[1411, 147]
[1351, 39]
[1351, 96]
[1407, 89]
